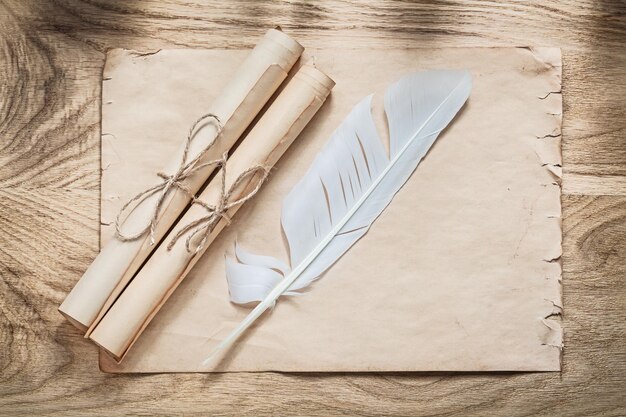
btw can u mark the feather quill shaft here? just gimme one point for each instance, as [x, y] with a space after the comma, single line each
[358, 132]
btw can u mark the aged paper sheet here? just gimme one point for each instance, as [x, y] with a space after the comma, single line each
[460, 273]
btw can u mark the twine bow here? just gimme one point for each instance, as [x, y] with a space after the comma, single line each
[170, 182]
[204, 225]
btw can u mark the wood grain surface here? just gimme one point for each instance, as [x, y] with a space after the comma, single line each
[50, 72]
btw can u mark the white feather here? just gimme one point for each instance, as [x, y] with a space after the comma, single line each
[347, 187]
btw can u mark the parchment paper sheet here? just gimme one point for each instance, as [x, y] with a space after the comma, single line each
[460, 273]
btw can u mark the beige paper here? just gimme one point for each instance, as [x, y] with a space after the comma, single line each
[167, 267]
[248, 90]
[459, 273]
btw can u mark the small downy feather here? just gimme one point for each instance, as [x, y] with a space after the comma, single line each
[347, 187]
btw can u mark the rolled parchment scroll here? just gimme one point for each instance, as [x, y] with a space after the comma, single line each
[158, 278]
[250, 88]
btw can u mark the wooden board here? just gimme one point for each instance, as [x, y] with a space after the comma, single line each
[52, 57]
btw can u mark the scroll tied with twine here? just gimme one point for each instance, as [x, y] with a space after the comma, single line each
[145, 220]
[204, 225]
[170, 182]
[241, 176]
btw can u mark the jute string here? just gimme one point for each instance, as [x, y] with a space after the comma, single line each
[176, 181]
[203, 226]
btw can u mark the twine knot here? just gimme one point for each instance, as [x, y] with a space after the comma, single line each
[205, 225]
[170, 182]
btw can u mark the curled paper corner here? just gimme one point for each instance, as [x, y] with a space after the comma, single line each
[549, 56]
[118, 56]
[114, 57]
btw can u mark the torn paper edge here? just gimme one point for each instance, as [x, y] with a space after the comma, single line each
[548, 151]
[549, 156]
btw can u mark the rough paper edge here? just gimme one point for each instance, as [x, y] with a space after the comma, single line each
[550, 158]
[551, 58]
